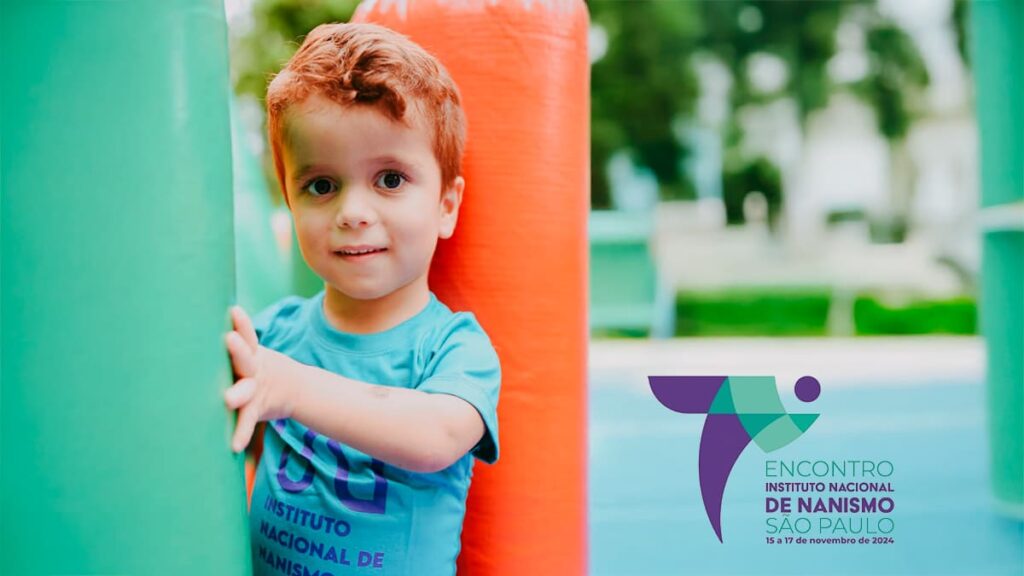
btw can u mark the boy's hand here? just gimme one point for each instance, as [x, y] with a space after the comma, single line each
[260, 392]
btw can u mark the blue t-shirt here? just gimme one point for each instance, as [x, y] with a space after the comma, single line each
[320, 507]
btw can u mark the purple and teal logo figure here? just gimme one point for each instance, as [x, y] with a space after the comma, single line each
[739, 409]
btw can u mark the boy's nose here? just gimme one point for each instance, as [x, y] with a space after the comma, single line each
[354, 211]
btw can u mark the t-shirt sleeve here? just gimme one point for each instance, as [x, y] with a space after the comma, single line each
[465, 364]
[266, 322]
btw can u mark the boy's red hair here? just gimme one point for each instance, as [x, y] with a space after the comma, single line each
[369, 65]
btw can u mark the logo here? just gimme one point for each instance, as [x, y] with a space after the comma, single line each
[739, 409]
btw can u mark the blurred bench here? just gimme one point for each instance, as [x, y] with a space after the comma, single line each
[626, 292]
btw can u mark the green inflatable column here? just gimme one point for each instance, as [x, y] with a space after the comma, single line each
[117, 254]
[262, 267]
[998, 59]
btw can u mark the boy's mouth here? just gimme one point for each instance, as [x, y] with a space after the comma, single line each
[358, 251]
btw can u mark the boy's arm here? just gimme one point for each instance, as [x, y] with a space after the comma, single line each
[411, 429]
[415, 430]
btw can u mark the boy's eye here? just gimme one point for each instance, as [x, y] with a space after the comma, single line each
[320, 187]
[390, 180]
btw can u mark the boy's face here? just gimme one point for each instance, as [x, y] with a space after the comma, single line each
[365, 195]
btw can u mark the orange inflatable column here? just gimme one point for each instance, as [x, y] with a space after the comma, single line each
[518, 260]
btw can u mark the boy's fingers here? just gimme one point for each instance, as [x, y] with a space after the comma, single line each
[247, 420]
[240, 394]
[242, 358]
[244, 327]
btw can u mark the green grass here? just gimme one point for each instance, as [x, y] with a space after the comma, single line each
[872, 316]
[804, 312]
[753, 312]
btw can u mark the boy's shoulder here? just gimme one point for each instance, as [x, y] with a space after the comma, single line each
[281, 314]
[446, 325]
[460, 338]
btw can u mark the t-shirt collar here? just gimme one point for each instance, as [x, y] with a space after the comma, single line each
[398, 336]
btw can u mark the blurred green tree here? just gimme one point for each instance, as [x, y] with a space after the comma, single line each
[263, 43]
[636, 102]
[639, 86]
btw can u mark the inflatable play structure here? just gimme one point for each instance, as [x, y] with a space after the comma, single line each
[118, 268]
[119, 264]
[996, 48]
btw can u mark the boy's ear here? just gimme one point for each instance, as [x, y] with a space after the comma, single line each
[451, 199]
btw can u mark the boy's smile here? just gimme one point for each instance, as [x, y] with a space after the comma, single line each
[367, 201]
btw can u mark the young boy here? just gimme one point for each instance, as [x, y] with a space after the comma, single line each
[378, 395]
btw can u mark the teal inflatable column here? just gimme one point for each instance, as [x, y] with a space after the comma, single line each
[998, 59]
[117, 257]
[262, 267]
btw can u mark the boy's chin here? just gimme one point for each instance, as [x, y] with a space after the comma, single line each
[369, 290]
[367, 294]
[362, 293]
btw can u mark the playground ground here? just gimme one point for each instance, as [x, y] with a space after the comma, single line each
[917, 402]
